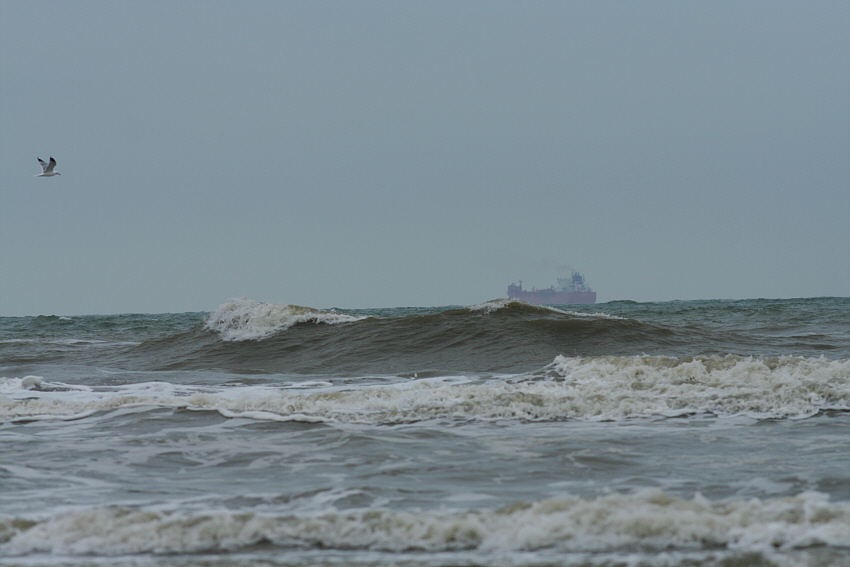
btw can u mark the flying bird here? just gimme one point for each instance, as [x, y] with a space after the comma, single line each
[47, 168]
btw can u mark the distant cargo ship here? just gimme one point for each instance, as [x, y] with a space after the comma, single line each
[570, 290]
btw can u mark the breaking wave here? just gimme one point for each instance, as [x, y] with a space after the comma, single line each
[594, 389]
[646, 520]
[244, 319]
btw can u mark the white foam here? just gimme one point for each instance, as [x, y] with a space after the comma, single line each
[593, 389]
[785, 386]
[243, 319]
[57, 400]
[493, 305]
[31, 382]
[647, 520]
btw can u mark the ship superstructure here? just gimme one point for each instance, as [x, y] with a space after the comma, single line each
[570, 290]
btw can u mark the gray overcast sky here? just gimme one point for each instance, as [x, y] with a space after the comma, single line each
[377, 154]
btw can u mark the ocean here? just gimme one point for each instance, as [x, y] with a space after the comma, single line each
[622, 434]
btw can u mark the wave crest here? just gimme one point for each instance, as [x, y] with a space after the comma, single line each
[500, 304]
[243, 319]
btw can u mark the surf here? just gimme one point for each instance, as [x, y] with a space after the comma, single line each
[585, 389]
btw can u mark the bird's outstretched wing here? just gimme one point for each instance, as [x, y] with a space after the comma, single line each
[44, 165]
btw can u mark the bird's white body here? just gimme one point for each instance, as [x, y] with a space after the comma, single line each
[47, 168]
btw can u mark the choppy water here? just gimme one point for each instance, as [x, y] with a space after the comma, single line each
[621, 434]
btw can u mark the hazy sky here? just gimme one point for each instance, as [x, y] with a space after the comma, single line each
[379, 154]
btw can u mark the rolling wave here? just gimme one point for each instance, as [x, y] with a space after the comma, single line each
[496, 336]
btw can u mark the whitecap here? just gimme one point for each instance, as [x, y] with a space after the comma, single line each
[31, 382]
[242, 319]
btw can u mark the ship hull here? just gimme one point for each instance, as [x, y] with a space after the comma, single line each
[552, 297]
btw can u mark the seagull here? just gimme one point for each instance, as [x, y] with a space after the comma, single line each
[47, 168]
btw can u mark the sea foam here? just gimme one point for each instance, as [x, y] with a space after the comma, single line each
[650, 520]
[592, 389]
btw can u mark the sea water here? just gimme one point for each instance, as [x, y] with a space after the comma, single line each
[700, 433]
